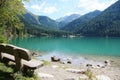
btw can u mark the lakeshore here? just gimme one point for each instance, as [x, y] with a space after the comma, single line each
[74, 70]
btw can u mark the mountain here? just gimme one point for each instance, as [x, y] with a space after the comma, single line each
[40, 20]
[46, 21]
[67, 19]
[31, 24]
[106, 24]
[35, 25]
[74, 25]
[31, 20]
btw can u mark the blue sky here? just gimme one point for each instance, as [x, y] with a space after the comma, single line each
[59, 8]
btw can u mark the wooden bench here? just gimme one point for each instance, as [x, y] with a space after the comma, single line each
[22, 57]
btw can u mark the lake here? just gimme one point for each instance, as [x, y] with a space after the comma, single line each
[84, 45]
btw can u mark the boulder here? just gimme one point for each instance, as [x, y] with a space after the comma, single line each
[55, 59]
[69, 62]
[107, 62]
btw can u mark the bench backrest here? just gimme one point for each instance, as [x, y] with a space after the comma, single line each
[2, 47]
[9, 49]
[16, 51]
[23, 53]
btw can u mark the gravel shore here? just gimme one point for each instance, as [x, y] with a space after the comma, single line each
[60, 71]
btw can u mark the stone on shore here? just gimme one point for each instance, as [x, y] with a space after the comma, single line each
[107, 62]
[44, 75]
[55, 59]
[102, 77]
[75, 70]
[88, 65]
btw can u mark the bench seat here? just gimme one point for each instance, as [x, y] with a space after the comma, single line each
[32, 64]
[8, 56]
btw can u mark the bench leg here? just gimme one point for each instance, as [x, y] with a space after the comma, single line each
[0, 56]
[18, 62]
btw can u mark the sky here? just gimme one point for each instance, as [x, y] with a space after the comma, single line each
[60, 8]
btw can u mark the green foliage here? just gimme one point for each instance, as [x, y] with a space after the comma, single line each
[3, 39]
[8, 72]
[21, 77]
[5, 68]
[10, 10]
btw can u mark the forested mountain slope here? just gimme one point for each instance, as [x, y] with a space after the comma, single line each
[106, 24]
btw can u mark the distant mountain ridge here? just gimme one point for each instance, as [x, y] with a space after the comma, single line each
[72, 26]
[68, 18]
[63, 21]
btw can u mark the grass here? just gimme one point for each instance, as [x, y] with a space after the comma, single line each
[45, 62]
[21, 77]
[7, 72]
[90, 75]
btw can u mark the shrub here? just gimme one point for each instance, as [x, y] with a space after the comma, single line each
[3, 39]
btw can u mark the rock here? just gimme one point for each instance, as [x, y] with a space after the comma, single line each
[34, 54]
[70, 79]
[55, 59]
[75, 70]
[44, 75]
[88, 65]
[95, 66]
[98, 65]
[102, 77]
[107, 62]
[69, 62]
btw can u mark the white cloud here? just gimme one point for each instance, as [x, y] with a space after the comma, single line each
[38, 7]
[44, 8]
[90, 5]
[50, 9]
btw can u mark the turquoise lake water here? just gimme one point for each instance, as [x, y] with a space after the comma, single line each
[85, 45]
